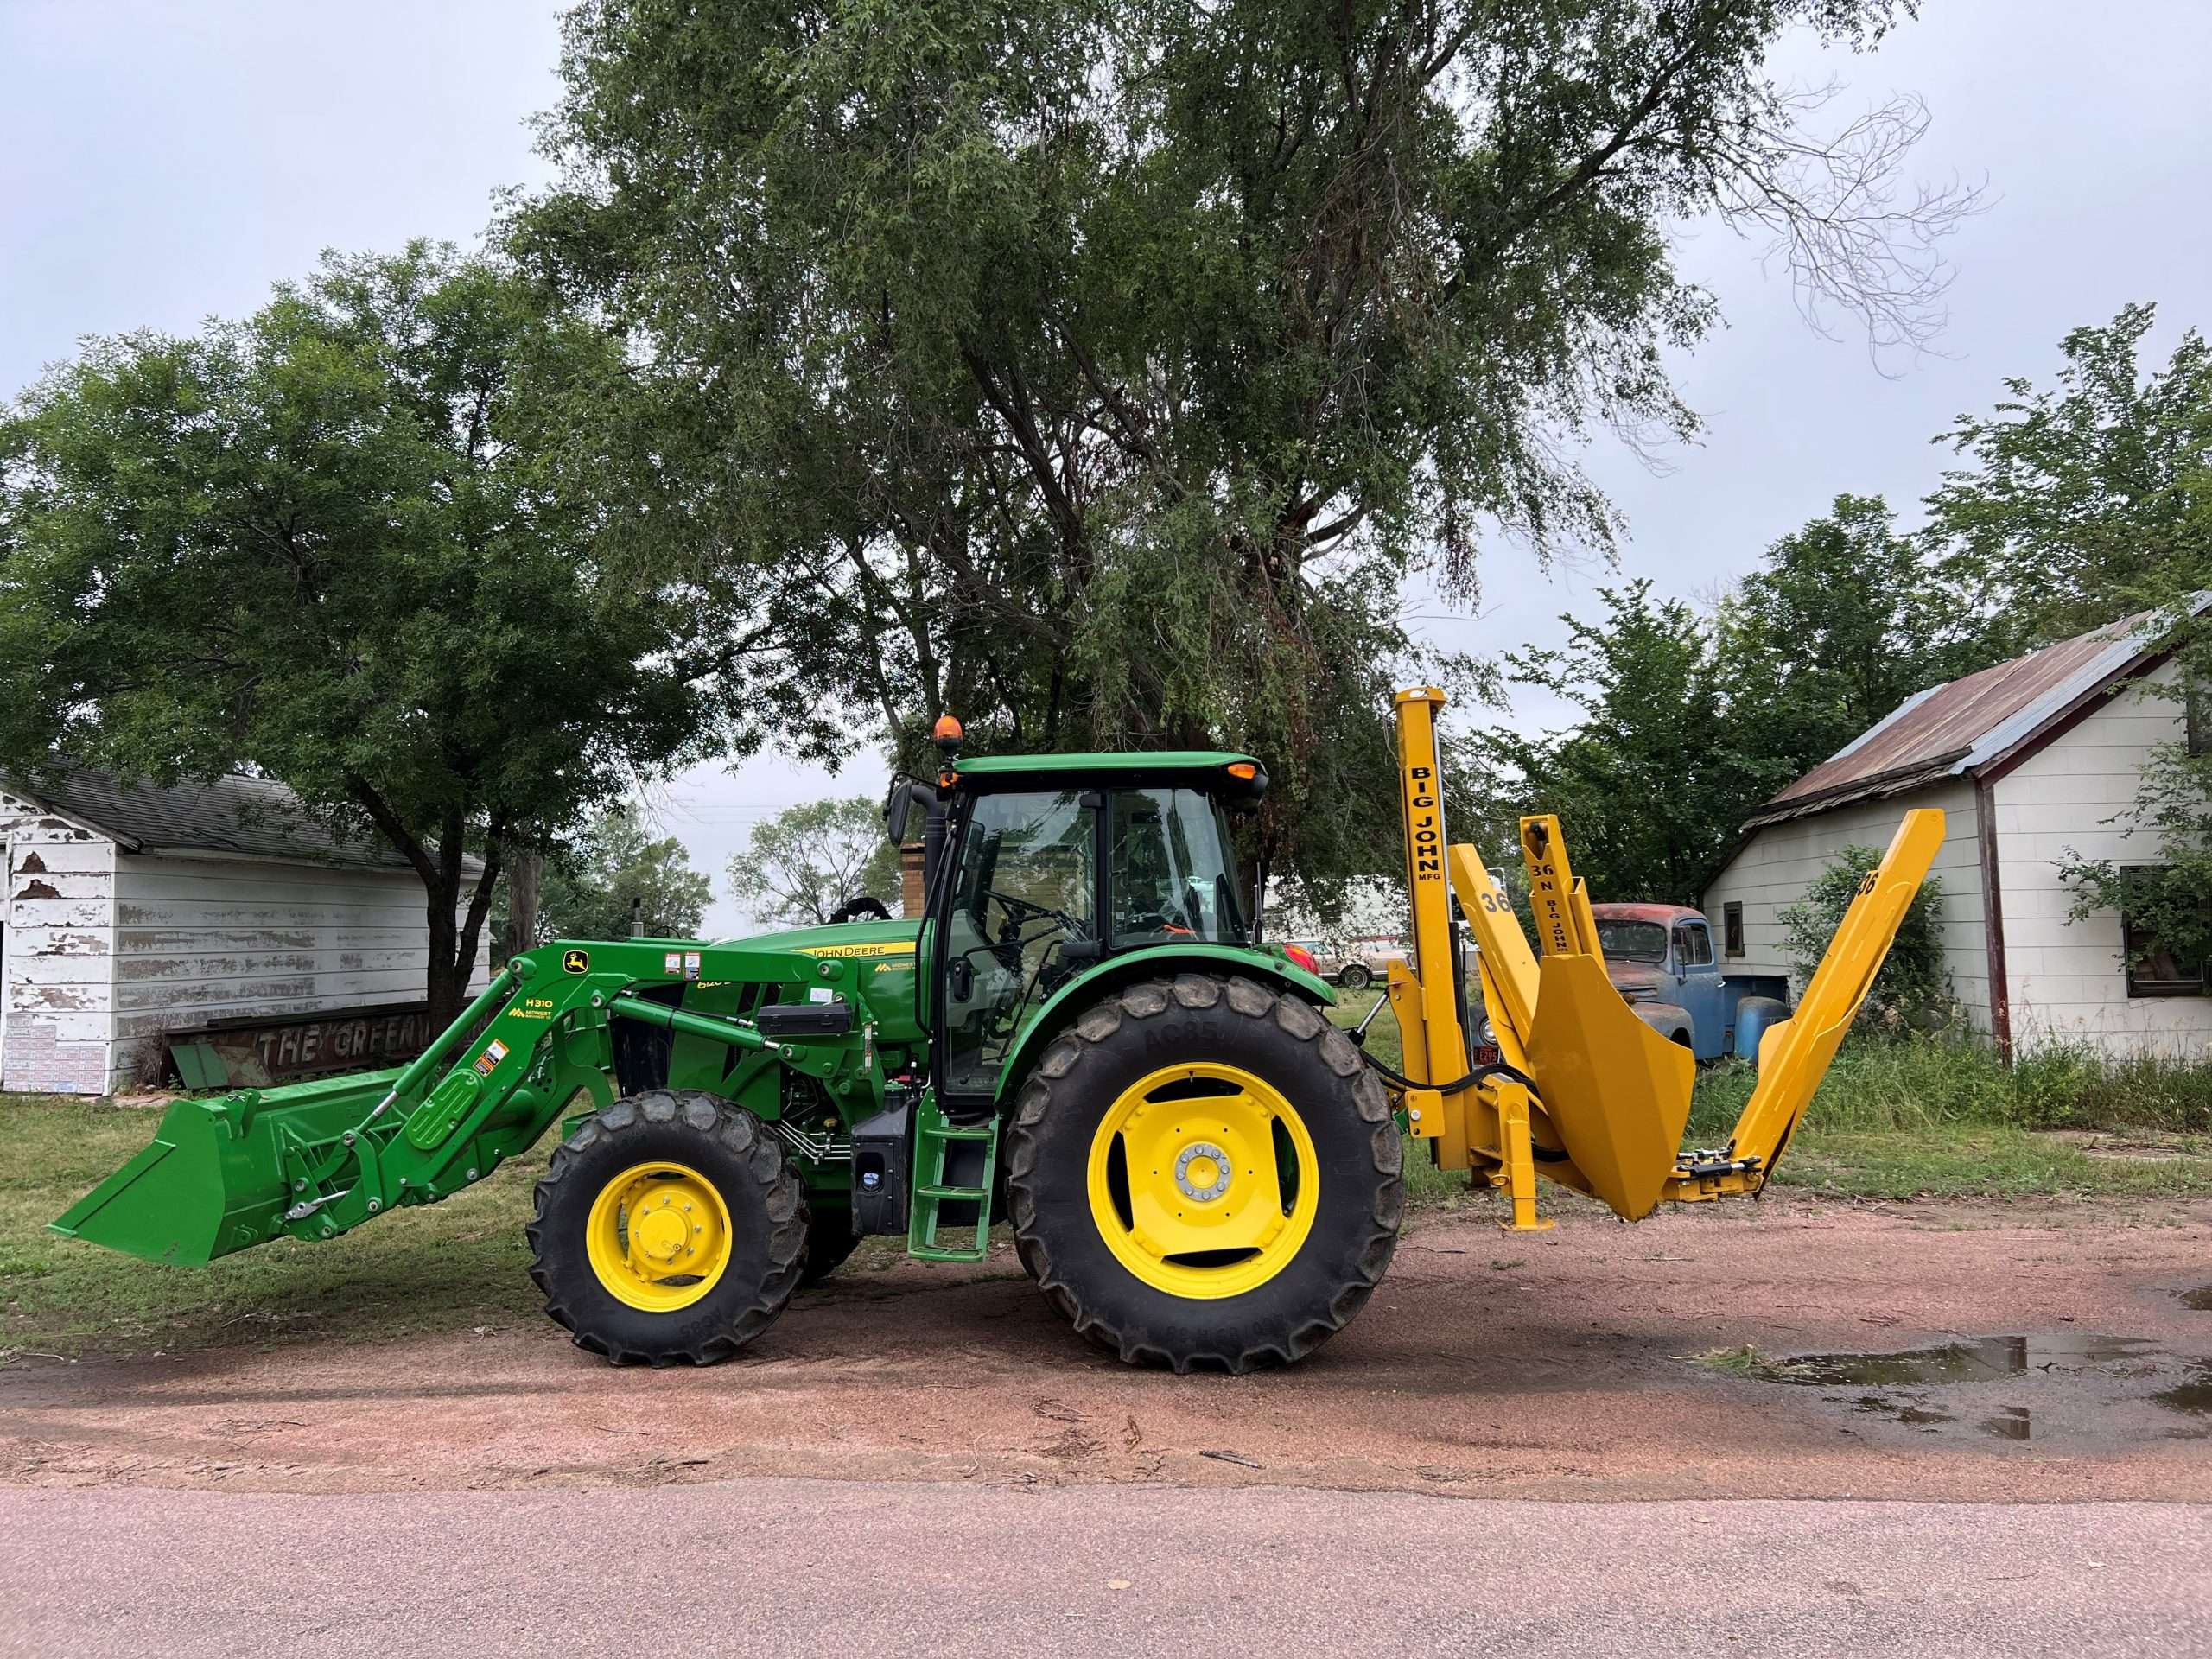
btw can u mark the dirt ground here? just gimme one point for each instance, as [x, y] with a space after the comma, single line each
[1559, 1365]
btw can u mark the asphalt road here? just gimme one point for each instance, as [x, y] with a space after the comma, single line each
[771, 1567]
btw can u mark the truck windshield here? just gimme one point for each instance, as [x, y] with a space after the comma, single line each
[1174, 874]
[1631, 941]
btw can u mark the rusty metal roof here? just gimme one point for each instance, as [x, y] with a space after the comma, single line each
[255, 817]
[1950, 730]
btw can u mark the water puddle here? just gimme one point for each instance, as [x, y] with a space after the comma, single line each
[1976, 1359]
[2086, 1385]
[2194, 1396]
[2011, 1423]
[1903, 1411]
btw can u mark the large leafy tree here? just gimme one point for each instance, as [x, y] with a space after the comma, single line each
[1842, 622]
[1647, 781]
[1102, 370]
[2088, 499]
[2077, 506]
[376, 541]
[1685, 722]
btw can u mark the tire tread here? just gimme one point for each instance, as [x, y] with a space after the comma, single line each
[1059, 1072]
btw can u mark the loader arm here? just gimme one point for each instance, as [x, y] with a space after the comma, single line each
[314, 1160]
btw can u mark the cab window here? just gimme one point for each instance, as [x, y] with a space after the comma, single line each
[1173, 873]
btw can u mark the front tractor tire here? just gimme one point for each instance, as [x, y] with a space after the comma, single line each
[1204, 1174]
[670, 1229]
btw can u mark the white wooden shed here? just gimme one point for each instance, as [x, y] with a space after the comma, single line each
[2028, 760]
[134, 910]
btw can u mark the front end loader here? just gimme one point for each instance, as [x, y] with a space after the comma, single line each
[1083, 1034]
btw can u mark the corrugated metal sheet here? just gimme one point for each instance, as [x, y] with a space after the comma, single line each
[253, 816]
[1952, 729]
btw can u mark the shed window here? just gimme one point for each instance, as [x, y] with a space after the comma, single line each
[2152, 970]
[1731, 928]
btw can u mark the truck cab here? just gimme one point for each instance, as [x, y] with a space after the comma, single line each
[1662, 960]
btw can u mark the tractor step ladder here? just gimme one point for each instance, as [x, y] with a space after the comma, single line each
[938, 1143]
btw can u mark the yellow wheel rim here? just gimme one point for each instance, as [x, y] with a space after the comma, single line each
[1203, 1180]
[659, 1237]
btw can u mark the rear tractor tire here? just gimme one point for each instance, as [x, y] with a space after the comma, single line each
[1204, 1174]
[670, 1229]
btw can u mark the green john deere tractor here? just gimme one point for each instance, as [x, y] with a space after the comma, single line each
[1082, 1034]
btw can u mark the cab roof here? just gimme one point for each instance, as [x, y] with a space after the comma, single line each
[1119, 764]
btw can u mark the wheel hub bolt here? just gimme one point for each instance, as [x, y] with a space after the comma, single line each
[1202, 1171]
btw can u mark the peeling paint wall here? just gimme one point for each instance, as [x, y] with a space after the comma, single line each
[59, 950]
[106, 951]
[198, 939]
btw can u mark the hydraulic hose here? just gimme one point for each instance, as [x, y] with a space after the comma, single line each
[1495, 1068]
[1542, 1155]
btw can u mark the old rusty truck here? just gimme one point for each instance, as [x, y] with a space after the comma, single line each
[1664, 961]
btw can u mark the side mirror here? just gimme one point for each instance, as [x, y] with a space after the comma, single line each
[898, 807]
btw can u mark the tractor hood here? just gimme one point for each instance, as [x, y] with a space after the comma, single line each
[846, 939]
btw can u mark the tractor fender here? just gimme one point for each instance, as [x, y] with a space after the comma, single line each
[1669, 1020]
[1154, 962]
[1755, 1017]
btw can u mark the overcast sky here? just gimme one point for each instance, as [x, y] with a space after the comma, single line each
[162, 160]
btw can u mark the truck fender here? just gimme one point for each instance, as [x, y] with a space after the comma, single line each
[1755, 1017]
[1669, 1020]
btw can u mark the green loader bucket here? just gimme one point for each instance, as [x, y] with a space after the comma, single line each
[217, 1178]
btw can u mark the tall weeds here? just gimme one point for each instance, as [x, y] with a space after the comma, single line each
[1928, 1082]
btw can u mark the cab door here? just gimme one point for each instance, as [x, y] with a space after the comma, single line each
[1023, 887]
[1698, 989]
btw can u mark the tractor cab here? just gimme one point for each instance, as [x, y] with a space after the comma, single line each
[1046, 866]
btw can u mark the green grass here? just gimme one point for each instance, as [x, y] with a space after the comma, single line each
[452, 1266]
[1744, 1361]
[1926, 1083]
[1945, 1119]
